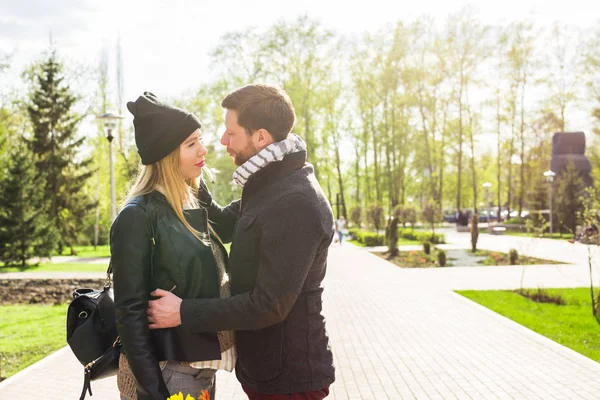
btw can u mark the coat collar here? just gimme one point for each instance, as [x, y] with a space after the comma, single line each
[272, 173]
[197, 218]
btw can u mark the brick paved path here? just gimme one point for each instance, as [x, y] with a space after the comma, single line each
[403, 334]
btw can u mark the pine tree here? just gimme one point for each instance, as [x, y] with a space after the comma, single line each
[56, 148]
[569, 202]
[25, 230]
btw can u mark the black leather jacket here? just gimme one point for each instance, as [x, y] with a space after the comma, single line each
[151, 248]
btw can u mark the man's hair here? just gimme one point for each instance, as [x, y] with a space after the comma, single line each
[261, 106]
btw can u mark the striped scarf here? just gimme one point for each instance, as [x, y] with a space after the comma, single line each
[270, 154]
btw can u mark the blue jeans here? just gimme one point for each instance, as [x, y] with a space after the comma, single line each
[340, 236]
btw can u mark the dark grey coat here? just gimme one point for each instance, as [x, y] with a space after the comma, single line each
[277, 263]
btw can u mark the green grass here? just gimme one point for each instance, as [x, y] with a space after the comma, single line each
[401, 242]
[28, 333]
[85, 251]
[571, 325]
[88, 251]
[65, 267]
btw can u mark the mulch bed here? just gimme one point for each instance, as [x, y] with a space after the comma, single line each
[43, 291]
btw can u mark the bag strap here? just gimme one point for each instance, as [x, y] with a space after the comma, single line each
[109, 271]
[87, 386]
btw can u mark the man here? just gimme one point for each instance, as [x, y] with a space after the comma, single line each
[278, 256]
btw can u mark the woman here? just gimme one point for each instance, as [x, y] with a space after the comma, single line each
[162, 239]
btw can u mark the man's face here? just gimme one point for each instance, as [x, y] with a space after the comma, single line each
[239, 144]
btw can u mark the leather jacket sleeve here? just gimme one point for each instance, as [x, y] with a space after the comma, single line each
[130, 246]
[222, 219]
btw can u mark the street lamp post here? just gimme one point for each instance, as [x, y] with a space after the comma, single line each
[487, 187]
[550, 178]
[109, 120]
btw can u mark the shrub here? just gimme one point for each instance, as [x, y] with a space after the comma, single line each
[433, 238]
[409, 234]
[542, 296]
[513, 256]
[441, 257]
[427, 248]
[353, 233]
[371, 239]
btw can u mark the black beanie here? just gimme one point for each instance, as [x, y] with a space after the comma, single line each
[159, 127]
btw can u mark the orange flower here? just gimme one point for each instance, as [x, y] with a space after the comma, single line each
[204, 395]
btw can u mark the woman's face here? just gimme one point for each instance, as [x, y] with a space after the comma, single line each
[192, 156]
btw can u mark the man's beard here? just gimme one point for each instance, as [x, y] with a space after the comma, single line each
[244, 155]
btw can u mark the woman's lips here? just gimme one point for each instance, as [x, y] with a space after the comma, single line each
[200, 164]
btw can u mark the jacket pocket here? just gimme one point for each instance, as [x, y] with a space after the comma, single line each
[260, 353]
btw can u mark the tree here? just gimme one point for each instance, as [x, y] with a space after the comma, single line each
[375, 216]
[25, 230]
[427, 77]
[410, 215]
[431, 214]
[356, 216]
[299, 60]
[474, 232]
[57, 147]
[521, 63]
[565, 70]
[462, 49]
[391, 235]
[591, 60]
[334, 108]
[569, 203]
[400, 214]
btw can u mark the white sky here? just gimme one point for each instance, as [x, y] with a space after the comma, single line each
[166, 43]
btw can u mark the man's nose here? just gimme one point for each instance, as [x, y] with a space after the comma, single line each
[225, 139]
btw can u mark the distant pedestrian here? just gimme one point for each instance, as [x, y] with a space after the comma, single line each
[340, 225]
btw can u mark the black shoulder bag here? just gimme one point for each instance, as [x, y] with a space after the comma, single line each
[91, 330]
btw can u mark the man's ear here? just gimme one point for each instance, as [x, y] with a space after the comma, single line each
[264, 138]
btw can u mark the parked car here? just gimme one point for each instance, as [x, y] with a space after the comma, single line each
[484, 217]
[514, 214]
[450, 218]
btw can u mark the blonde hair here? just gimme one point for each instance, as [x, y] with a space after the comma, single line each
[165, 174]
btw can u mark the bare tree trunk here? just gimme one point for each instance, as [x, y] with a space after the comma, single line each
[522, 172]
[375, 159]
[365, 155]
[460, 142]
[442, 161]
[511, 150]
[357, 173]
[472, 147]
[499, 175]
